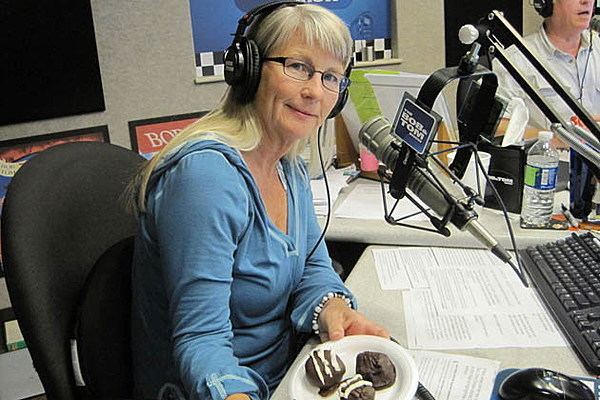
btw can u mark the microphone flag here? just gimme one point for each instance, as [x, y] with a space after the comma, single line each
[415, 125]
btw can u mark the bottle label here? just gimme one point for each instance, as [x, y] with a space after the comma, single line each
[540, 178]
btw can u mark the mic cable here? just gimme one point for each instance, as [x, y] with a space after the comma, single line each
[518, 269]
[433, 187]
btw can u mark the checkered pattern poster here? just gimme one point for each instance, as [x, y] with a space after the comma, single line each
[215, 21]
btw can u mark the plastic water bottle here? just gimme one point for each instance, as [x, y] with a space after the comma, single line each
[540, 181]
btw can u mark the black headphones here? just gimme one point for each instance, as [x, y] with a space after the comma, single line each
[544, 7]
[243, 63]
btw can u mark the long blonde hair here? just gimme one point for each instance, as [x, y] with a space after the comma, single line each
[236, 124]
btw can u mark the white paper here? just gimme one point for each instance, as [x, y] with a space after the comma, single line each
[456, 377]
[463, 298]
[365, 201]
[336, 179]
[396, 273]
[428, 328]
[517, 123]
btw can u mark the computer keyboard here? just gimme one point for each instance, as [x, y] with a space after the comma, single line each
[566, 274]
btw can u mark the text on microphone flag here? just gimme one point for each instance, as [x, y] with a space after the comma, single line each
[415, 125]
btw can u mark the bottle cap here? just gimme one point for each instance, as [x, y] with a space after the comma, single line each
[545, 135]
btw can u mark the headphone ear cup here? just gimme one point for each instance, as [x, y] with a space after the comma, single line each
[339, 105]
[234, 64]
[548, 8]
[342, 96]
[253, 72]
[544, 7]
[248, 72]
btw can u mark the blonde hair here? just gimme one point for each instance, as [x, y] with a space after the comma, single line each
[236, 124]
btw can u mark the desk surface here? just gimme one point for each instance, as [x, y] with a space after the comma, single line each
[381, 233]
[385, 307]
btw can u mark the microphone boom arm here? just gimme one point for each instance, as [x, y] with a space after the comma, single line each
[498, 26]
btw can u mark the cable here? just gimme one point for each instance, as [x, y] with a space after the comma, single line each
[587, 61]
[423, 393]
[518, 269]
[326, 190]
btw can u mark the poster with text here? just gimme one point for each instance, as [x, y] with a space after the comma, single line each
[149, 136]
[16, 152]
[215, 21]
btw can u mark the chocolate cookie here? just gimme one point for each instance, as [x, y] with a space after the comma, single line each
[356, 388]
[376, 368]
[325, 370]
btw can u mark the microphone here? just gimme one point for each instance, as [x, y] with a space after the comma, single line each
[376, 136]
[595, 23]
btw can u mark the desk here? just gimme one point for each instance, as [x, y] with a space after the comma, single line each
[380, 232]
[385, 307]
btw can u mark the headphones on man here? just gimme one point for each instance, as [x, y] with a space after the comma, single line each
[544, 7]
[243, 61]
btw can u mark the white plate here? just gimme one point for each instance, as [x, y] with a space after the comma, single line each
[347, 348]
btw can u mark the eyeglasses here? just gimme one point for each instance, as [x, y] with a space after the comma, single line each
[303, 72]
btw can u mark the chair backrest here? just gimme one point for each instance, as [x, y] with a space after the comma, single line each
[103, 326]
[62, 210]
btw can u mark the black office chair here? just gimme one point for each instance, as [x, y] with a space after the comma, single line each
[62, 211]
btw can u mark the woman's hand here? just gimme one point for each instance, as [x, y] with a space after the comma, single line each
[338, 320]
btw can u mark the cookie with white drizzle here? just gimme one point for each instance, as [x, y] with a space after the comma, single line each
[324, 369]
[356, 388]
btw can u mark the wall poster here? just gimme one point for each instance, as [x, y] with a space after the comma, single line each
[214, 22]
[16, 152]
[149, 136]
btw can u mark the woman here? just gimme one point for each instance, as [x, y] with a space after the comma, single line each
[223, 282]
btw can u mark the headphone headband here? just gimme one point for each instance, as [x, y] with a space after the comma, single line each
[266, 9]
[242, 57]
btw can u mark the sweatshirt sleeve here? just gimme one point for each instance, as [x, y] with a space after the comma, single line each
[199, 216]
[318, 277]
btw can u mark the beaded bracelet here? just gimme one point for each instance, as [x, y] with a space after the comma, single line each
[321, 306]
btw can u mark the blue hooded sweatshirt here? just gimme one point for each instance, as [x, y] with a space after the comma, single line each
[220, 294]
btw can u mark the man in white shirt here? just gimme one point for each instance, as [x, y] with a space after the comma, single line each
[567, 48]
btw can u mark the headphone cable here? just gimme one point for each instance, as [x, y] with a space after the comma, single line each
[327, 192]
[587, 61]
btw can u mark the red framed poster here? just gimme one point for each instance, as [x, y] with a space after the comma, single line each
[149, 136]
[16, 152]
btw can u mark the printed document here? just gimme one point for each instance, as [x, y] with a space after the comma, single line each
[463, 298]
[336, 179]
[456, 377]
